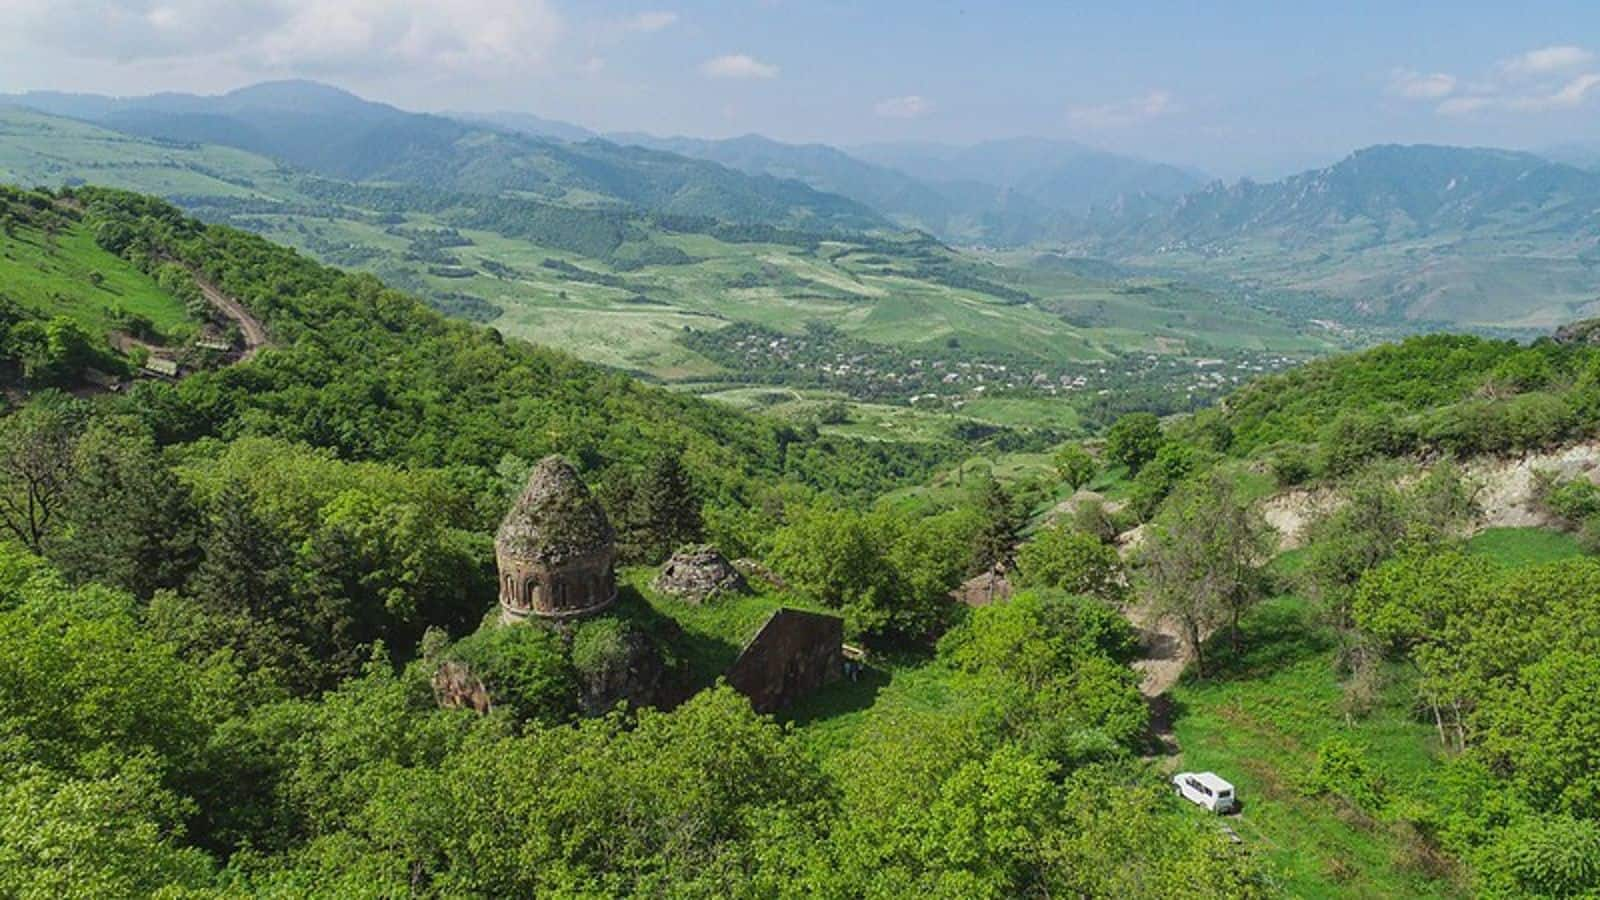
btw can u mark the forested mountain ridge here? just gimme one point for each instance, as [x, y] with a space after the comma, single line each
[334, 133]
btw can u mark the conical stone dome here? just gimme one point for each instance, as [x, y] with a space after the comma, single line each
[555, 548]
[555, 518]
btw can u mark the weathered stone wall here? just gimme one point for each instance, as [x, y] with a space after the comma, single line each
[581, 586]
[793, 654]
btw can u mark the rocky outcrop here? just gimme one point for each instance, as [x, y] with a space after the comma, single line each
[455, 686]
[989, 587]
[698, 575]
[1586, 331]
[1506, 490]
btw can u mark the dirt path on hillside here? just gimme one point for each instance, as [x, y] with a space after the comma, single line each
[1160, 667]
[254, 333]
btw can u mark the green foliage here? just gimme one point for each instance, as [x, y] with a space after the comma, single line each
[36, 466]
[1450, 393]
[1134, 440]
[890, 573]
[127, 519]
[1546, 857]
[658, 511]
[1074, 561]
[1343, 770]
[1003, 520]
[114, 834]
[1172, 463]
[1203, 560]
[527, 669]
[1075, 466]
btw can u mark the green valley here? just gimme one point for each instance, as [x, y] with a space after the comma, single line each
[632, 290]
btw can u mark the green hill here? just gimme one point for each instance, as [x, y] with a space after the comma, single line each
[336, 134]
[51, 266]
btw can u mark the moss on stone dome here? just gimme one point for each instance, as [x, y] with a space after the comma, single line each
[555, 519]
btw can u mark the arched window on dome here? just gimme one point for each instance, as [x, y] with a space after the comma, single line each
[530, 591]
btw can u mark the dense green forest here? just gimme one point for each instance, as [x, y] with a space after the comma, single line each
[226, 602]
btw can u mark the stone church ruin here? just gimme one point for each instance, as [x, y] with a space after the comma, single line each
[555, 549]
[794, 654]
[699, 574]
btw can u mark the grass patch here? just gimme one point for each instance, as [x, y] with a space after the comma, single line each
[714, 632]
[829, 720]
[1259, 723]
[1524, 546]
[71, 276]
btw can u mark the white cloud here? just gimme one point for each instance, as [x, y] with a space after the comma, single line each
[1542, 80]
[309, 36]
[651, 21]
[1546, 61]
[1124, 113]
[737, 65]
[1570, 95]
[1465, 106]
[912, 106]
[1421, 85]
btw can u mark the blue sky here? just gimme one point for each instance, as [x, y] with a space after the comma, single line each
[1233, 88]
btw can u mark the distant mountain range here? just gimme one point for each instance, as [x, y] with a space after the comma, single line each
[999, 192]
[1445, 234]
[334, 133]
[1465, 235]
[1402, 193]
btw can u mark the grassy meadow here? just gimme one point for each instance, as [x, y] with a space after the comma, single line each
[69, 275]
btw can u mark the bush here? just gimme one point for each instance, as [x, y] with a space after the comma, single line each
[1073, 561]
[524, 667]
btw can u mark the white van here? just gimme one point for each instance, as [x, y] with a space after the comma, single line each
[1205, 789]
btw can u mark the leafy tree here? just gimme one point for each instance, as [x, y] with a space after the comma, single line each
[118, 834]
[1557, 856]
[834, 556]
[1133, 440]
[53, 352]
[1202, 563]
[661, 511]
[997, 541]
[1375, 521]
[1062, 557]
[1172, 463]
[127, 520]
[36, 457]
[1075, 466]
[929, 557]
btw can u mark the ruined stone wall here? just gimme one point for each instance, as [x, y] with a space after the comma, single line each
[793, 654]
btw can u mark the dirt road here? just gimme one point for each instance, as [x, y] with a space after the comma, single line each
[255, 333]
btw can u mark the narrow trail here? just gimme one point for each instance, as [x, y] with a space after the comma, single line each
[254, 333]
[1159, 670]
